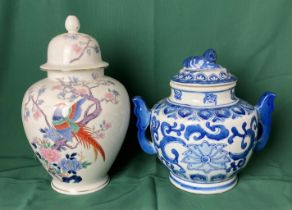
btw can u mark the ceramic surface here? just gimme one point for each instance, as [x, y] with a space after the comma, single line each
[202, 132]
[73, 51]
[75, 121]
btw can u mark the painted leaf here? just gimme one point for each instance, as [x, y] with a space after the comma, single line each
[40, 102]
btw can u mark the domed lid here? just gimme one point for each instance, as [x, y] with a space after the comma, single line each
[73, 50]
[203, 71]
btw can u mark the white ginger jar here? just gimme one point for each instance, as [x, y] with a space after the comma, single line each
[76, 118]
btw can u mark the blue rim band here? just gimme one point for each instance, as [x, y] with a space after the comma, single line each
[202, 188]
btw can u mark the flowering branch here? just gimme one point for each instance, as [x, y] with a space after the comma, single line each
[36, 103]
[42, 112]
[69, 87]
[83, 51]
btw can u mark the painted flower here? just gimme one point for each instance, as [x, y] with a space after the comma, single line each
[99, 135]
[70, 165]
[213, 78]
[177, 94]
[210, 98]
[51, 134]
[82, 91]
[107, 125]
[50, 155]
[76, 48]
[188, 77]
[57, 87]
[206, 157]
[109, 96]
[36, 114]
[201, 77]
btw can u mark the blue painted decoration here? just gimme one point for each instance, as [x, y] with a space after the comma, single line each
[210, 98]
[220, 114]
[202, 156]
[177, 94]
[207, 61]
[206, 137]
[203, 70]
[143, 116]
[265, 107]
[198, 77]
[206, 157]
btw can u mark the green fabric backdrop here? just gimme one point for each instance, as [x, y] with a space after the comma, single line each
[145, 42]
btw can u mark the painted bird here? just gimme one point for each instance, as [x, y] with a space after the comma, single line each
[68, 127]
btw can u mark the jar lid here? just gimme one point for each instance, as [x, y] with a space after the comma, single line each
[203, 71]
[73, 50]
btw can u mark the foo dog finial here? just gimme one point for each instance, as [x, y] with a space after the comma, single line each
[206, 61]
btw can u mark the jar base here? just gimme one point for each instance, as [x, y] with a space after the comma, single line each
[73, 189]
[200, 188]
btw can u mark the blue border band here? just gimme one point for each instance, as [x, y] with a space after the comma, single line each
[191, 91]
[202, 107]
[202, 188]
[204, 82]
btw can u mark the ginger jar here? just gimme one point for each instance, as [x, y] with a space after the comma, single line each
[202, 132]
[76, 118]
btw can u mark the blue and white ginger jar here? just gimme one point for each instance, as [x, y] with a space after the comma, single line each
[202, 132]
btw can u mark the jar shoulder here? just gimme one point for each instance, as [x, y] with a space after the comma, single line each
[69, 90]
[47, 84]
[169, 110]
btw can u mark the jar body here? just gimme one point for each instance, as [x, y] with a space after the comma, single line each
[202, 132]
[76, 123]
[204, 147]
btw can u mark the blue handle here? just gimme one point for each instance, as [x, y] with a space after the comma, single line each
[143, 120]
[265, 108]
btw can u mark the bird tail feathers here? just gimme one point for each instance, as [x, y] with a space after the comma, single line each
[84, 136]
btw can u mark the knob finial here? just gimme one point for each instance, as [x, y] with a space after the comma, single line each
[72, 24]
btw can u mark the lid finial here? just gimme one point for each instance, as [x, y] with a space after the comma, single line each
[206, 61]
[73, 51]
[72, 24]
[203, 70]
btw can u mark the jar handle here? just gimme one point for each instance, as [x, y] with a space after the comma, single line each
[143, 120]
[265, 108]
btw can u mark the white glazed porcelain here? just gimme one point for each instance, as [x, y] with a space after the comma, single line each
[202, 132]
[76, 118]
[73, 50]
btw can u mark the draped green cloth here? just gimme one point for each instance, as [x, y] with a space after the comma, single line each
[145, 43]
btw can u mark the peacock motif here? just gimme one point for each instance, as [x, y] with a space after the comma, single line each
[68, 127]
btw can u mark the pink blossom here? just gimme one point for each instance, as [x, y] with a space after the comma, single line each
[77, 49]
[51, 155]
[100, 135]
[107, 125]
[57, 87]
[82, 91]
[109, 96]
[36, 115]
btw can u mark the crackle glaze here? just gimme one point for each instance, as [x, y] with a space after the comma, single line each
[202, 132]
[76, 118]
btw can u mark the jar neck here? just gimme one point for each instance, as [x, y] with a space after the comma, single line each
[204, 97]
[92, 74]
